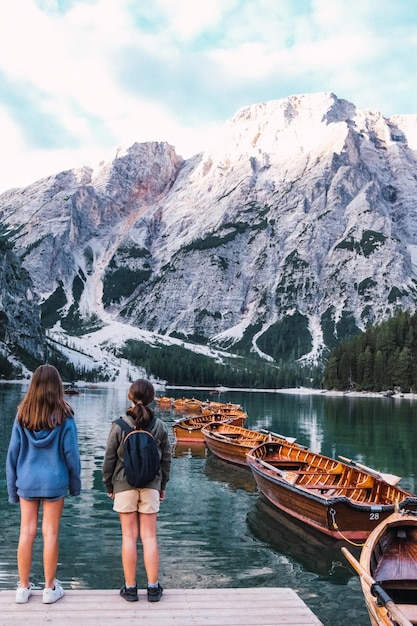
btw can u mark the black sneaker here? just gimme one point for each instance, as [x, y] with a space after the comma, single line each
[129, 593]
[154, 593]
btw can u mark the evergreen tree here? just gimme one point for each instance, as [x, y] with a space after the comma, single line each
[383, 357]
[404, 370]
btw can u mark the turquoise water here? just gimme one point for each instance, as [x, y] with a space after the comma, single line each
[215, 530]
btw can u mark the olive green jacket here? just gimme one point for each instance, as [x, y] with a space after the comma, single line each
[114, 477]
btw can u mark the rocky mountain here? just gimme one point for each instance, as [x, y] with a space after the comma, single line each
[296, 228]
[21, 334]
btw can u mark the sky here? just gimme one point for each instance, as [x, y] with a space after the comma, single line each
[80, 78]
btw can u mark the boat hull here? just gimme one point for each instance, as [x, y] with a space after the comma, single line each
[389, 556]
[333, 497]
[189, 430]
[232, 442]
[337, 517]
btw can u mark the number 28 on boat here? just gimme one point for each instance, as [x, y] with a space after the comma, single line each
[346, 500]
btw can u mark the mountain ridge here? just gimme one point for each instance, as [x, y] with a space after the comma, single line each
[294, 229]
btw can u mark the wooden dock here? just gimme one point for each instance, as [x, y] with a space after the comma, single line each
[267, 606]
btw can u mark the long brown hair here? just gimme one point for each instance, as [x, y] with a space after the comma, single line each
[141, 393]
[43, 405]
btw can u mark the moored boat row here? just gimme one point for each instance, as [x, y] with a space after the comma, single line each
[194, 405]
[198, 413]
[341, 499]
[190, 428]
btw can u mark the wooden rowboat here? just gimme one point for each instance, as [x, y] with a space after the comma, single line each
[192, 405]
[229, 409]
[198, 407]
[179, 403]
[189, 405]
[346, 500]
[388, 570]
[232, 443]
[189, 428]
[163, 401]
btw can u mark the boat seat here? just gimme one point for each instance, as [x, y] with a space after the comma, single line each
[251, 442]
[286, 461]
[217, 435]
[322, 488]
[399, 583]
[315, 473]
[402, 596]
[351, 488]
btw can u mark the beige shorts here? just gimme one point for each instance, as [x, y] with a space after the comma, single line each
[142, 500]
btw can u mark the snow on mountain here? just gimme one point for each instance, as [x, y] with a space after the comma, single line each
[295, 228]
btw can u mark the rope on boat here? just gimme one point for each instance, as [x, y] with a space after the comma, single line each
[352, 543]
[360, 545]
[332, 514]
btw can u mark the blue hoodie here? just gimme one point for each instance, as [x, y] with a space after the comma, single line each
[44, 463]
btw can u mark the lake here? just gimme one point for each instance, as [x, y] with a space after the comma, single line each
[214, 528]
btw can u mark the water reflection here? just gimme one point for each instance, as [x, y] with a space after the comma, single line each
[313, 550]
[234, 476]
[189, 449]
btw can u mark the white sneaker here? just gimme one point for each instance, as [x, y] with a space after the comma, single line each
[23, 593]
[52, 595]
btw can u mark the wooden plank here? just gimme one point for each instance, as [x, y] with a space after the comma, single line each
[178, 607]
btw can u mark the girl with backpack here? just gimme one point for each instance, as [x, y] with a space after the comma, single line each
[138, 507]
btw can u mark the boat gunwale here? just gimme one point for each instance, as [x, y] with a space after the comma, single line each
[201, 421]
[236, 433]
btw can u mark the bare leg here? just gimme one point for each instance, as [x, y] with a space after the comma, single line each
[52, 512]
[147, 524]
[130, 533]
[29, 510]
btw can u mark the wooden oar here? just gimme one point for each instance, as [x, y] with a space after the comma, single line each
[269, 432]
[378, 591]
[216, 435]
[288, 475]
[391, 479]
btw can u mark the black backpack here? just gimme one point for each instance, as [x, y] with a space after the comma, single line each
[140, 453]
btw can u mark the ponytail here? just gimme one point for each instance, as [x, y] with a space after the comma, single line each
[141, 414]
[141, 393]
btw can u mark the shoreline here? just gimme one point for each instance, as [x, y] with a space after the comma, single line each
[159, 386]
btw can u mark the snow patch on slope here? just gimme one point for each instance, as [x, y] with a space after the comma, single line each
[98, 349]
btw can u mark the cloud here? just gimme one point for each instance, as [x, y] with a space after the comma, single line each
[79, 77]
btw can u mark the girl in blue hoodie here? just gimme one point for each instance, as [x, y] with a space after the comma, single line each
[43, 465]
